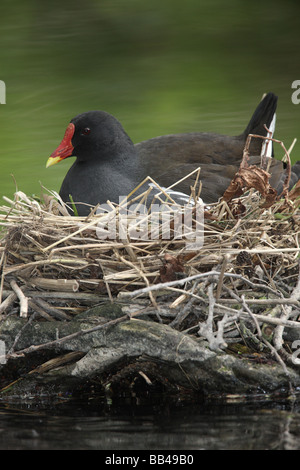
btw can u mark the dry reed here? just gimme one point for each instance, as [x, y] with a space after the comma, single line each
[246, 273]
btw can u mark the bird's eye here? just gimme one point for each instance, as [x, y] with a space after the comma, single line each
[86, 131]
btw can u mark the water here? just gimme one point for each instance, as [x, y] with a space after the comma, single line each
[161, 67]
[158, 67]
[255, 425]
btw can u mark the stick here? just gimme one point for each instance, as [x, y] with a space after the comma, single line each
[53, 312]
[7, 302]
[68, 285]
[287, 157]
[264, 301]
[165, 285]
[20, 332]
[36, 308]
[220, 283]
[63, 295]
[22, 298]
[260, 336]
[278, 341]
[275, 321]
[69, 337]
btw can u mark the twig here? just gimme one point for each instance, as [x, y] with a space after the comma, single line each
[20, 332]
[19, 267]
[246, 307]
[185, 311]
[216, 343]
[276, 321]
[261, 338]
[165, 285]
[68, 285]
[145, 377]
[65, 296]
[222, 272]
[141, 273]
[287, 157]
[52, 311]
[7, 302]
[66, 338]
[265, 302]
[278, 341]
[2, 264]
[23, 299]
[36, 308]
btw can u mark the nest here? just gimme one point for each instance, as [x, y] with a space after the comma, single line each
[241, 287]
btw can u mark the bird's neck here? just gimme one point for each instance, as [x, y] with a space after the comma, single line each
[125, 159]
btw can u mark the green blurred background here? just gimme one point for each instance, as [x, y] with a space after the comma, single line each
[160, 67]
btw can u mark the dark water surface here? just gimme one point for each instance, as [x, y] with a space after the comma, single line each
[256, 425]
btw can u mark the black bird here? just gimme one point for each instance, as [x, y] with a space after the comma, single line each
[109, 165]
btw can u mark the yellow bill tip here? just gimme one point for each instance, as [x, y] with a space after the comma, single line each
[52, 161]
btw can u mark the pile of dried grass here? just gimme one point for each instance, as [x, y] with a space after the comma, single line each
[246, 270]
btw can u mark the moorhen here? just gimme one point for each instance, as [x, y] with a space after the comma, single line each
[109, 165]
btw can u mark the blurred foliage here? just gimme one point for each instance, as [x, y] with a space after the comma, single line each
[160, 67]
